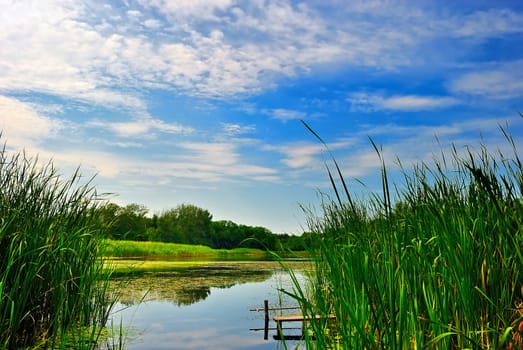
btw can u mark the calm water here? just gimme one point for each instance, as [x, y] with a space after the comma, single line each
[205, 307]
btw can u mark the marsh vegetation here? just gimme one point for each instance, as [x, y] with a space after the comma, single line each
[431, 262]
[52, 279]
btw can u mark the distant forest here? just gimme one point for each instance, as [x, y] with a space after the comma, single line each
[189, 224]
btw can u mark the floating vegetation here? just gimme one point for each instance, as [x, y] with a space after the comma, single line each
[185, 283]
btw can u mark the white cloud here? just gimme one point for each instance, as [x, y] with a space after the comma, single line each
[134, 14]
[214, 153]
[449, 131]
[412, 102]
[364, 161]
[103, 164]
[301, 155]
[145, 127]
[207, 162]
[152, 23]
[503, 82]
[489, 23]
[49, 47]
[215, 48]
[61, 49]
[21, 125]
[410, 144]
[372, 102]
[237, 129]
[305, 154]
[286, 114]
[415, 143]
[204, 9]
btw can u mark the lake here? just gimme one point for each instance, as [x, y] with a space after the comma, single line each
[206, 306]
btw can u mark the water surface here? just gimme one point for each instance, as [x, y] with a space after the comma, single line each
[203, 307]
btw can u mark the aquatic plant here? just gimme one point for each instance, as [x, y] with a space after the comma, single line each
[52, 280]
[434, 264]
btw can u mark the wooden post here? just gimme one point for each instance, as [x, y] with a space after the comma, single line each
[266, 328]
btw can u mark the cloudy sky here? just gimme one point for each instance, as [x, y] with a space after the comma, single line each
[201, 101]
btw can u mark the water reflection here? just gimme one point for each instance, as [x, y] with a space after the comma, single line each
[189, 285]
[205, 307]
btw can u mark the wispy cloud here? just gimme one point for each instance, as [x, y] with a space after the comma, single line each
[146, 127]
[411, 144]
[301, 155]
[214, 153]
[235, 129]
[181, 9]
[503, 82]
[73, 51]
[451, 130]
[489, 23]
[307, 154]
[217, 161]
[285, 114]
[22, 125]
[372, 102]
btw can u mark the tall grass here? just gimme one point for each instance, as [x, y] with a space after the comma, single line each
[52, 281]
[435, 264]
[140, 249]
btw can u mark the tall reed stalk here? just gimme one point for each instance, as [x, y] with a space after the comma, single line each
[438, 267]
[52, 281]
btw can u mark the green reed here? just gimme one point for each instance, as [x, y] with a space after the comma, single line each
[52, 280]
[438, 266]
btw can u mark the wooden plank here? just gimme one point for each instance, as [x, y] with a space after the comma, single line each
[274, 329]
[298, 318]
[288, 337]
[288, 318]
[259, 309]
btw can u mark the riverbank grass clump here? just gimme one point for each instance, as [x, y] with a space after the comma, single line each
[162, 250]
[52, 279]
[437, 264]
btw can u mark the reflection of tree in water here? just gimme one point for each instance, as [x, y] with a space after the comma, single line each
[188, 296]
[190, 285]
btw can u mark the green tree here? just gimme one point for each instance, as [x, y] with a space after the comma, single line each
[167, 229]
[105, 218]
[129, 222]
[195, 223]
[133, 222]
[186, 223]
[259, 237]
[226, 234]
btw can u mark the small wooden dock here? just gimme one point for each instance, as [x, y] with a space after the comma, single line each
[280, 319]
[286, 318]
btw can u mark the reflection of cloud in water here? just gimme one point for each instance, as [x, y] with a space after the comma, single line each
[190, 285]
[218, 318]
[199, 339]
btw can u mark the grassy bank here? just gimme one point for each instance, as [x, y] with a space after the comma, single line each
[52, 280]
[436, 266]
[160, 250]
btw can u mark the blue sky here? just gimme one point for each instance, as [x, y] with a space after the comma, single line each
[201, 101]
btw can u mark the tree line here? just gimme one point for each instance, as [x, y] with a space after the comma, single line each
[189, 224]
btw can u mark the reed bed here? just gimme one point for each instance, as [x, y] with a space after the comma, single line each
[436, 263]
[52, 281]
